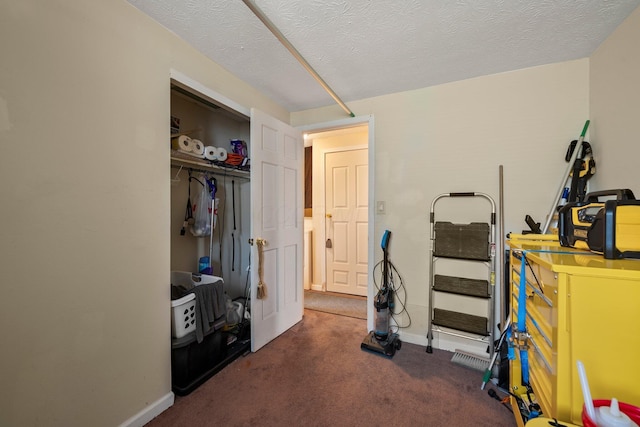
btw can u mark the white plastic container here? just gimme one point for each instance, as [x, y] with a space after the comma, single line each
[183, 310]
[183, 316]
[611, 416]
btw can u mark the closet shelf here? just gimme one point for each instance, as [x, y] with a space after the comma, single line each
[185, 132]
[203, 166]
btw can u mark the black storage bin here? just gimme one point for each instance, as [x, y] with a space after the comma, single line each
[193, 363]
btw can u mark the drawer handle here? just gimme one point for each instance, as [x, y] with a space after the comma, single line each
[542, 334]
[544, 298]
[537, 350]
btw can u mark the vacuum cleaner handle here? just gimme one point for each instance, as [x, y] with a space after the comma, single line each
[385, 240]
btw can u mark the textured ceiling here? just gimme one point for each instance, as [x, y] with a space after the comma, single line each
[366, 48]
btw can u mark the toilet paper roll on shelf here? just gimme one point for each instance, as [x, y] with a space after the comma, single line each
[215, 153]
[182, 143]
[211, 153]
[197, 147]
[222, 154]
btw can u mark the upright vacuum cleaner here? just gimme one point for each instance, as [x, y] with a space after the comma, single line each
[381, 339]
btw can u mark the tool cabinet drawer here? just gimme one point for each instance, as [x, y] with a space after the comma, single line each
[541, 380]
[541, 300]
[542, 356]
[540, 321]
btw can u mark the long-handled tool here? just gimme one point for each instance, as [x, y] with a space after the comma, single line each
[563, 183]
[501, 245]
[233, 237]
[487, 373]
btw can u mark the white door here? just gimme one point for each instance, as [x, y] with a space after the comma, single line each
[347, 205]
[277, 165]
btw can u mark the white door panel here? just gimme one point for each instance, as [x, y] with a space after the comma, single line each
[347, 220]
[277, 212]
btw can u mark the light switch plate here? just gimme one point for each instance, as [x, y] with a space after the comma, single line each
[380, 208]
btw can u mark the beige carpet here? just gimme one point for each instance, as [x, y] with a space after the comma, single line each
[350, 306]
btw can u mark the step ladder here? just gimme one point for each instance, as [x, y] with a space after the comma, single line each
[462, 243]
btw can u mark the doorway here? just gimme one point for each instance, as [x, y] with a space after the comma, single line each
[331, 145]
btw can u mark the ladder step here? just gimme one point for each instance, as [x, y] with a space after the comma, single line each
[461, 286]
[463, 241]
[460, 321]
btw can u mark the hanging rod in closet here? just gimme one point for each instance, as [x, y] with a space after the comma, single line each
[210, 169]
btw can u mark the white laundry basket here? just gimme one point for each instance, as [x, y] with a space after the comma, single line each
[183, 310]
[183, 316]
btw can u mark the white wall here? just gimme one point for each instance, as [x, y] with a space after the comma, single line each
[452, 138]
[85, 185]
[615, 108]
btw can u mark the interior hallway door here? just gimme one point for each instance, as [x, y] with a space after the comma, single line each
[277, 164]
[346, 201]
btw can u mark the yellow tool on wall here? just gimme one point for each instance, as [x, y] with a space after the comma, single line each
[610, 227]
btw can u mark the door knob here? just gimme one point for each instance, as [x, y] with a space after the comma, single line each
[329, 215]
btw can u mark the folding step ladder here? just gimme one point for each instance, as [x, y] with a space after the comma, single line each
[461, 243]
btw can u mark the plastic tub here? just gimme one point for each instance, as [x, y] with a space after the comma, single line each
[183, 315]
[632, 411]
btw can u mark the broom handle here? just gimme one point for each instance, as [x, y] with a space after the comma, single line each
[501, 246]
[563, 183]
[487, 373]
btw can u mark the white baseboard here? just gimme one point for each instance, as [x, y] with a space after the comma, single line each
[413, 338]
[315, 287]
[150, 412]
[445, 342]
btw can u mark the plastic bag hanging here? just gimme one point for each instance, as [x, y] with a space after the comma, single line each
[202, 211]
[213, 188]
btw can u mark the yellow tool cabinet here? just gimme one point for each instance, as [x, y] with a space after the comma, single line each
[578, 306]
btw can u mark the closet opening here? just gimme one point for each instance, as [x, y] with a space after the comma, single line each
[210, 230]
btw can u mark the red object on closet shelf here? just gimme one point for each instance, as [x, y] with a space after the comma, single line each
[234, 159]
